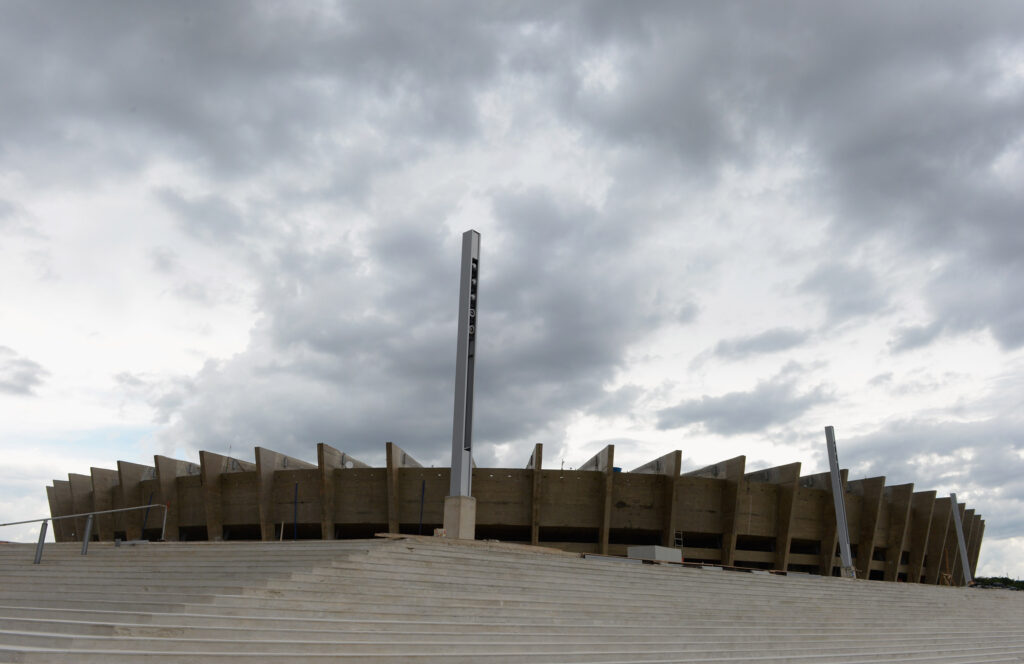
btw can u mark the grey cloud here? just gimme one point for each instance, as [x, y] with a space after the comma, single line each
[981, 460]
[775, 401]
[208, 218]
[909, 338]
[360, 347]
[19, 375]
[164, 260]
[847, 291]
[770, 341]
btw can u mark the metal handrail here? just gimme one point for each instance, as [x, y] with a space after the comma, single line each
[88, 525]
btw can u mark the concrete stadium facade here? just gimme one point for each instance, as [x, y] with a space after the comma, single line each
[773, 518]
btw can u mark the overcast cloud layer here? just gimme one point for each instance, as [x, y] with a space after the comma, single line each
[715, 228]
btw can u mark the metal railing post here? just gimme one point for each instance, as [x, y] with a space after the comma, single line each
[88, 534]
[163, 528]
[39, 545]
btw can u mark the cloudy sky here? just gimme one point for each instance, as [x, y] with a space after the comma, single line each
[711, 227]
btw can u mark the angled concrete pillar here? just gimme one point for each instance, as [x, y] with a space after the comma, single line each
[398, 458]
[536, 465]
[129, 477]
[922, 504]
[668, 467]
[168, 471]
[212, 466]
[81, 501]
[604, 461]
[267, 463]
[898, 498]
[62, 497]
[104, 482]
[787, 479]
[942, 516]
[829, 525]
[870, 491]
[976, 545]
[329, 460]
[58, 526]
[730, 470]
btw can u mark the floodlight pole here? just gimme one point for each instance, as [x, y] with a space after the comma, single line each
[459, 506]
[839, 501]
[965, 564]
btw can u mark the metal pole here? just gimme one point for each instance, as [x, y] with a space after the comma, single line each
[295, 517]
[88, 534]
[839, 500]
[465, 359]
[163, 528]
[965, 564]
[39, 545]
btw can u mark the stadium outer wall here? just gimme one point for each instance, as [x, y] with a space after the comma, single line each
[772, 518]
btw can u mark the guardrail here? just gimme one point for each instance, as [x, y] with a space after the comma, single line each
[88, 525]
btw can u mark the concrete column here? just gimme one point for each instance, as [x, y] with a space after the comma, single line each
[787, 479]
[104, 483]
[922, 504]
[328, 461]
[829, 527]
[58, 526]
[968, 523]
[730, 470]
[397, 458]
[81, 501]
[168, 471]
[62, 497]
[536, 465]
[668, 467]
[898, 498]
[604, 461]
[942, 516]
[267, 462]
[976, 546]
[129, 476]
[212, 466]
[870, 491]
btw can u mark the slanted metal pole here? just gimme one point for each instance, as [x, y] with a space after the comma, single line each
[462, 428]
[39, 545]
[965, 564]
[88, 534]
[839, 500]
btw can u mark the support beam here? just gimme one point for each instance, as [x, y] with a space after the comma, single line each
[62, 494]
[899, 499]
[212, 466]
[604, 461]
[976, 548]
[51, 499]
[129, 477]
[730, 470]
[168, 471]
[81, 501]
[536, 465]
[942, 516]
[786, 478]
[829, 524]
[267, 463]
[870, 491]
[396, 458]
[668, 468]
[104, 483]
[968, 535]
[328, 460]
[922, 504]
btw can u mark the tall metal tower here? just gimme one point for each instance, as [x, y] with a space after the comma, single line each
[462, 426]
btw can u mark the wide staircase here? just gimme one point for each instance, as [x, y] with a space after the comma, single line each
[431, 600]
